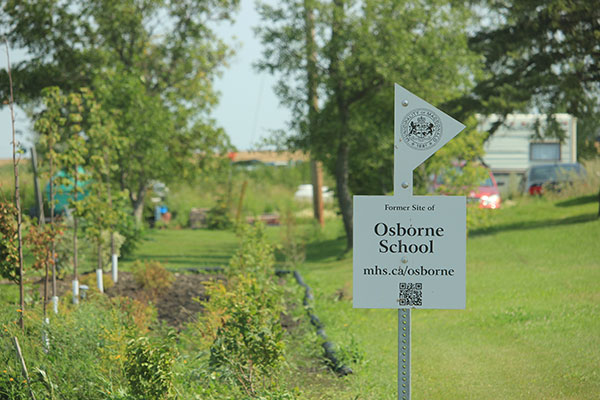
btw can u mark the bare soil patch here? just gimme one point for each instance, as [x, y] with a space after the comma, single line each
[177, 306]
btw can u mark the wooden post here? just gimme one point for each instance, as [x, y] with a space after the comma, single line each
[313, 107]
[317, 182]
[241, 202]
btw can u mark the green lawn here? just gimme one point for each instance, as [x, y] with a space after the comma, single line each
[186, 248]
[531, 329]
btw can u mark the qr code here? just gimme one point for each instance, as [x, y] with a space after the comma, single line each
[411, 294]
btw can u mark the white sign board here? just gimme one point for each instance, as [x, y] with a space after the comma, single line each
[410, 251]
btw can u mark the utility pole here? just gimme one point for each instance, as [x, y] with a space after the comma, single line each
[313, 109]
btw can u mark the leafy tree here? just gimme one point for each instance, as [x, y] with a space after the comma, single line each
[41, 239]
[361, 48]
[541, 52]
[48, 124]
[97, 208]
[544, 55]
[71, 159]
[153, 61]
[9, 248]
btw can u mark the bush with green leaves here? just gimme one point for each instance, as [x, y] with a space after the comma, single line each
[83, 358]
[241, 324]
[132, 232]
[153, 277]
[9, 249]
[255, 256]
[479, 218]
[149, 367]
[219, 216]
[248, 345]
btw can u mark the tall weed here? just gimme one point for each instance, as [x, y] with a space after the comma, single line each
[84, 351]
[154, 279]
[241, 324]
[577, 187]
[149, 367]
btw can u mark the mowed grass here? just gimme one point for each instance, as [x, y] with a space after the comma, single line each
[531, 329]
[185, 248]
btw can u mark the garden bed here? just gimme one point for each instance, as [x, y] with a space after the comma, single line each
[177, 306]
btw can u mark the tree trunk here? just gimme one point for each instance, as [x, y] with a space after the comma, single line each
[313, 109]
[343, 191]
[138, 210]
[340, 95]
[137, 203]
[317, 184]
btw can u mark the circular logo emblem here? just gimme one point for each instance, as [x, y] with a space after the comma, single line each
[421, 129]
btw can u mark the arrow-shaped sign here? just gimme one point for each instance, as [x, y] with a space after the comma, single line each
[420, 130]
[405, 241]
[410, 251]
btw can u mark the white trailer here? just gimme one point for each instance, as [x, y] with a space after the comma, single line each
[515, 147]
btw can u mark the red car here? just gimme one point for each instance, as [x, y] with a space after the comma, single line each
[486, 194]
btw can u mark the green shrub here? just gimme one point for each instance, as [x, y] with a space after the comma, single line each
[255, 256]
[9, 254]
[241, 325]
[84, 351]
[293, 245]
[149, 368]
[154, 279]
[249, 343]
[219, 216]
[132, 233]
[478, 218]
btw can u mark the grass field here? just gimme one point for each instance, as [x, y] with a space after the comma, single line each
[531, 329]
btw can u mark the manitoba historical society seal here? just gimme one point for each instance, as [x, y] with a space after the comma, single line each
[421, 129]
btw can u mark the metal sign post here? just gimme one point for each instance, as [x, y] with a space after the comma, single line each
[410, 251]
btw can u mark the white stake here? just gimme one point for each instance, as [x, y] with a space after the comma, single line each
[99, 280]
[45, 337]
[115, 268]
[75, 291]
[55, 304]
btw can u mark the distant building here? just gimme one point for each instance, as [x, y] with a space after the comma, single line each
[515, 147]
[274, 158]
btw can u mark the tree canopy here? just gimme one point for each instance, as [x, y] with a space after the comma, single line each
[152, 63]
[543, 55]
[360, 49]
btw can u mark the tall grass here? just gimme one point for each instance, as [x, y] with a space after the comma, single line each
[588, 186]
[7, 184]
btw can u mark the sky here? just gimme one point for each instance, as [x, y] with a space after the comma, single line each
[248, 108]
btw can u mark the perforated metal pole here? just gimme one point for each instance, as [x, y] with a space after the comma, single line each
[404, 354]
